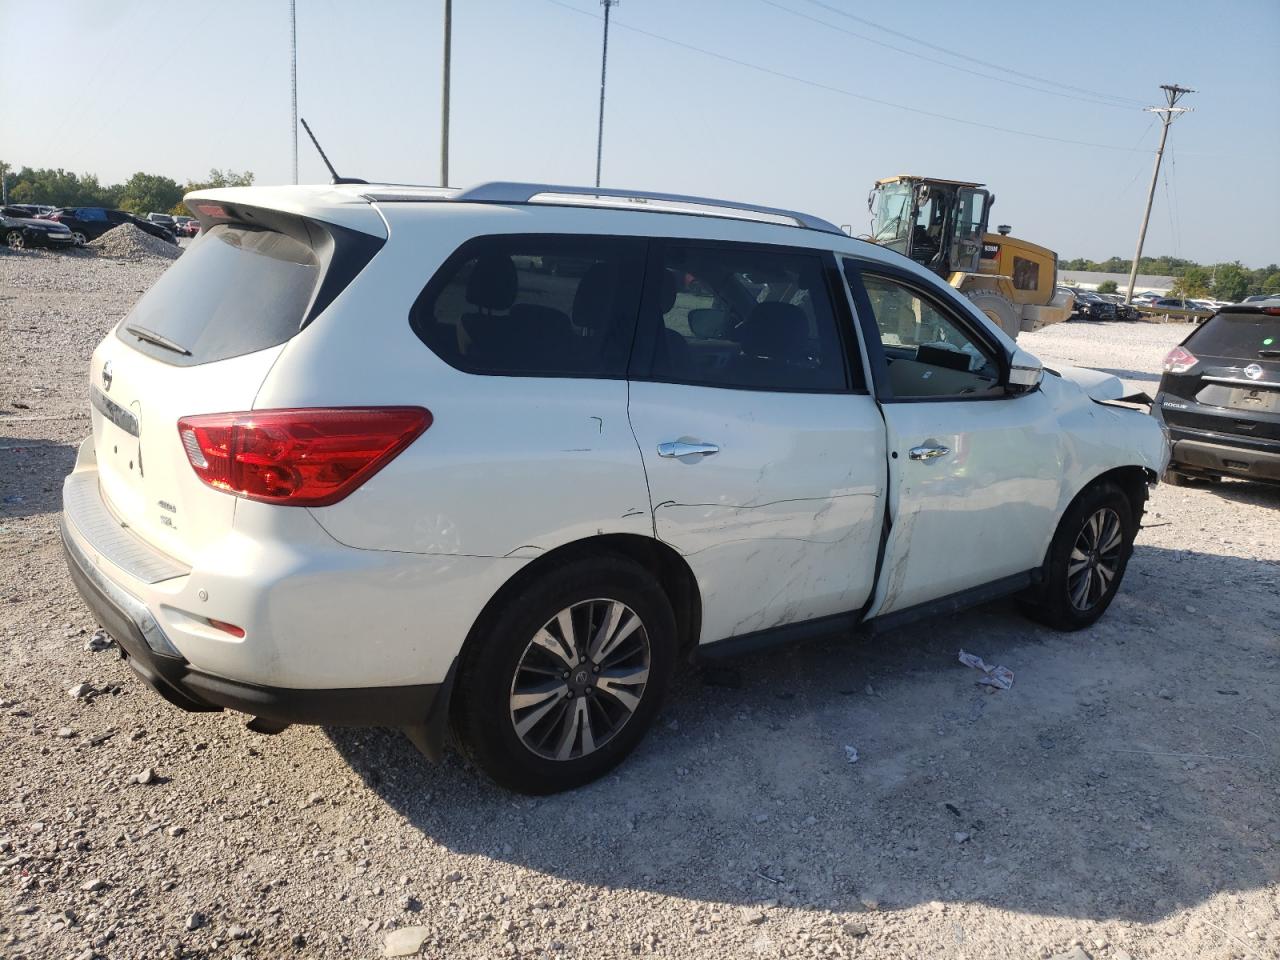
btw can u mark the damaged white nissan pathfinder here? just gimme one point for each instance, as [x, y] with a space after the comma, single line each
[495, 460]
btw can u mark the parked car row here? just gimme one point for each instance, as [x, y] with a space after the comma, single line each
[1112, 306]
[31, 225]
[19, 230]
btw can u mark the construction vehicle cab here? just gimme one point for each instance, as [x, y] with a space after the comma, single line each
[942, 225]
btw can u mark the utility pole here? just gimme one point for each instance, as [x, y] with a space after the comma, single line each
[604, 63]
[1168, 113]
[444, 97]
[293, 78]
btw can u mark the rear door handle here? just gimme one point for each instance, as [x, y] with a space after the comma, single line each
[928, 451]
[680, 448]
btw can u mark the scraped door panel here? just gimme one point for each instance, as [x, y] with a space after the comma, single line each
[781, 524]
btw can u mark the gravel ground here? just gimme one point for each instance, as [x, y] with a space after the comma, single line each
[1121, 800]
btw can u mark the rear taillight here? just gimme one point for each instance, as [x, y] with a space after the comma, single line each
[1179, 360]
[308, 457]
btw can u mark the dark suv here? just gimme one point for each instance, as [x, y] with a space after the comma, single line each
[1220, 396]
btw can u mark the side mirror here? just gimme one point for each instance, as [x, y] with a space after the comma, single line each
[1025, 372]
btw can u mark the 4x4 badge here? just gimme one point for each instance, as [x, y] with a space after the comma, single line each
[106, 375]
[1253, 372]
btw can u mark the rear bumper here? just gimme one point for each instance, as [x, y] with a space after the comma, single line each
[130, 623]
[1247, 463]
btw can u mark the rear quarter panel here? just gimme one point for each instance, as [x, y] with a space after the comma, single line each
[511, 466]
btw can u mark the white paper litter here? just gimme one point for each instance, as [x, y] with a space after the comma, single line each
[999, 677]
[851, 753]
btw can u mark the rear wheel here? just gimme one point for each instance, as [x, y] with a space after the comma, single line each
[1087, 559]
[566, 678]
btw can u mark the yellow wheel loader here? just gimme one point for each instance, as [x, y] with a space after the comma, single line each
[942, 224]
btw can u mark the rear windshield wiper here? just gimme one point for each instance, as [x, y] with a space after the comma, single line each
[159, 339]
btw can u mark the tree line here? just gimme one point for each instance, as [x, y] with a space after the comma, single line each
[141, 194]
[1224, 281]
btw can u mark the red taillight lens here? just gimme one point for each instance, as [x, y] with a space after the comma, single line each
[225, 627]
[1179, 360]
[305, 458]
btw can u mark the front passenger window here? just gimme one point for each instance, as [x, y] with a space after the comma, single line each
[929, 353]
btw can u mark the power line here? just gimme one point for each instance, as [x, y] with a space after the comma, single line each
[840, 90]
[943, 63]
[965, 56]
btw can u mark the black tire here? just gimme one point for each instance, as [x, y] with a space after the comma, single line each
[14, 240]
[501, 657]
[1056, 602]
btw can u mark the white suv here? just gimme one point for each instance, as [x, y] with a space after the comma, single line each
[496, 460]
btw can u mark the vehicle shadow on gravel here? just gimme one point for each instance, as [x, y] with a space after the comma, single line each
[1266, 495]
[1131, 770]
[31, 473]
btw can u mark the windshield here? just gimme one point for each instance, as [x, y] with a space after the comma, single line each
[891, 216]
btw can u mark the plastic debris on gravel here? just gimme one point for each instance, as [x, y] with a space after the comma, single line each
[129, 242]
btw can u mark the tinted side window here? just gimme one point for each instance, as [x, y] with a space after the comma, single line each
[535, 305]
[740, 316]
[929, 353]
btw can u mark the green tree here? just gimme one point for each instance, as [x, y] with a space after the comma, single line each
[147, 192]
[1272, 283]
[1194, 282]
[1230, 282]
[217, 178]
[1107, 286]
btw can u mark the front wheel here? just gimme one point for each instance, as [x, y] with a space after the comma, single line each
[565, 679]
[14, 240]
[79, 238]
[1087, 559]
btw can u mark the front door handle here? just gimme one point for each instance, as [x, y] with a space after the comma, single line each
[682, 448]
[928, 451]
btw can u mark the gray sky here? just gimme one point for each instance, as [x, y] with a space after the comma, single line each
[176, 88]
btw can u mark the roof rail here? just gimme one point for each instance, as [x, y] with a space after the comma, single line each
[501, 191]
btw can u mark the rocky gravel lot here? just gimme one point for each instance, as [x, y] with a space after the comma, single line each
[1121, 800]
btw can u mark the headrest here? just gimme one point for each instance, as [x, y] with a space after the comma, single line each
[593, 300]
[492, 283]
[776, 330]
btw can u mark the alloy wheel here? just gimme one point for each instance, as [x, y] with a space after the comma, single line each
[80, 239]
[580, 679]
[1094, 559]
[15, 241]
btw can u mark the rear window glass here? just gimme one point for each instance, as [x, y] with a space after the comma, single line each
[235, 291]
[1237, 335]
[535, 306]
